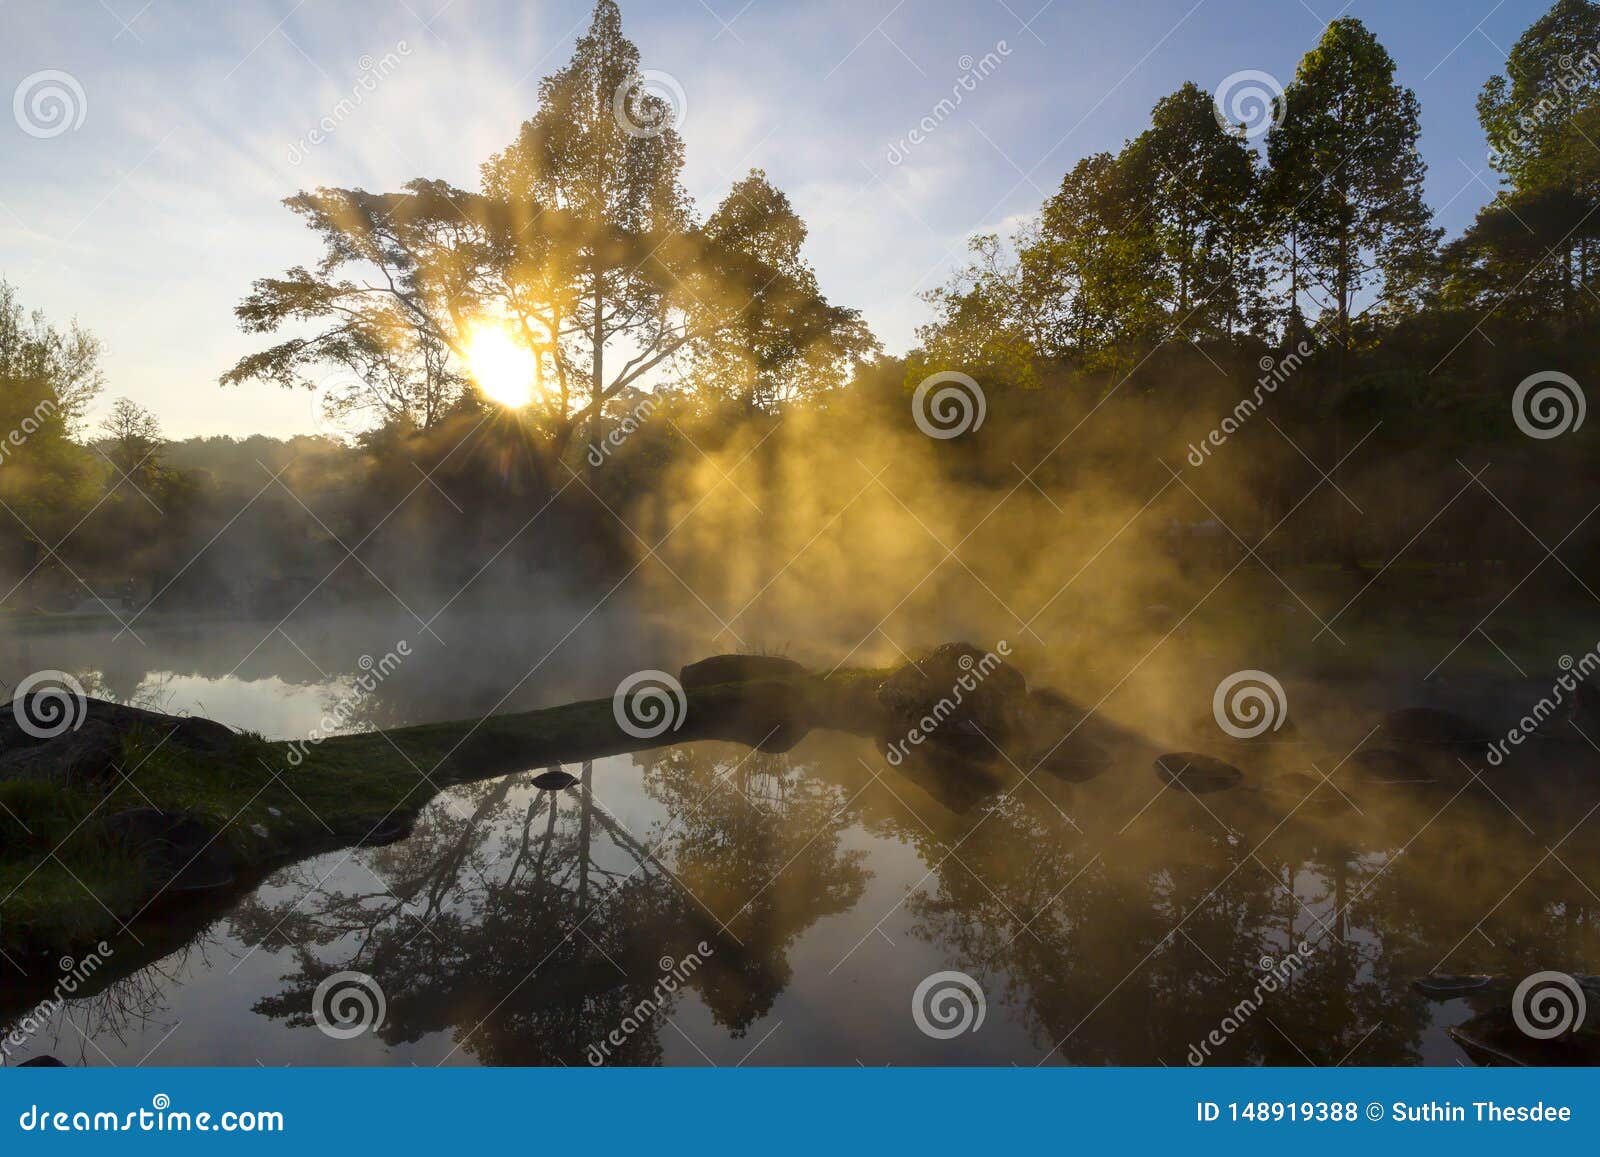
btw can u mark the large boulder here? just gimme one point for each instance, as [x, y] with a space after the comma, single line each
[959, 697]
[79, 742]
[738, 669]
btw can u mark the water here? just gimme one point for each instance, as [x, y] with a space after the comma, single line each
[708, 904]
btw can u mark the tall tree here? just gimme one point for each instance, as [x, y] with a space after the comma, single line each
[1198, 185]
[603, 156]
[1347, 170]
[785, 340]
[580, 248]
[48, 377]
[1552, 75]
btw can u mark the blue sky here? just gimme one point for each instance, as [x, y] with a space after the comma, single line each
[149, 219]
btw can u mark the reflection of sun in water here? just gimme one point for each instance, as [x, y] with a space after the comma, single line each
[502, 367]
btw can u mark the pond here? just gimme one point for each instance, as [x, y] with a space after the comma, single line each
[710, 904]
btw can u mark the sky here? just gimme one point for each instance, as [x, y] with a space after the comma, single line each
[148, 210]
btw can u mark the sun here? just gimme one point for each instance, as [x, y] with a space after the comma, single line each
[502, 367]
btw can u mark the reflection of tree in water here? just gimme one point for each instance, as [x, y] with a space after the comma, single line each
[1077, 932]
[534, 923]
[755, 839]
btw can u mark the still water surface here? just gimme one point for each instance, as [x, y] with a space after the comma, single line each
[706, 904]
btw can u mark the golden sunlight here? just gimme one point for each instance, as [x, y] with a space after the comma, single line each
[502, 367]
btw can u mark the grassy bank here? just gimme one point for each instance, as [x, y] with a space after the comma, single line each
[67, 880]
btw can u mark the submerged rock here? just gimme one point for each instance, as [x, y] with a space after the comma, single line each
[1197, 773]
[1440, 987]
[738, 669]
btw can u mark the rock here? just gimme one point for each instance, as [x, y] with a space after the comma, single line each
[959, 697]
[390, 831]
[83, 758]
[738, 669]
[1197, 773]
[1451, 987]
[87, 751]
[1433, 728]
[554, 780]
[179, 847]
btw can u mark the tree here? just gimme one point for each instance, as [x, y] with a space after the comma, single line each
[580, 250]
[1552, 74]
[1347, 171]
[1199, 190]
[131, 436]
[48, 377]
[786, 341]
[1095, 257]
[1542, 119]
